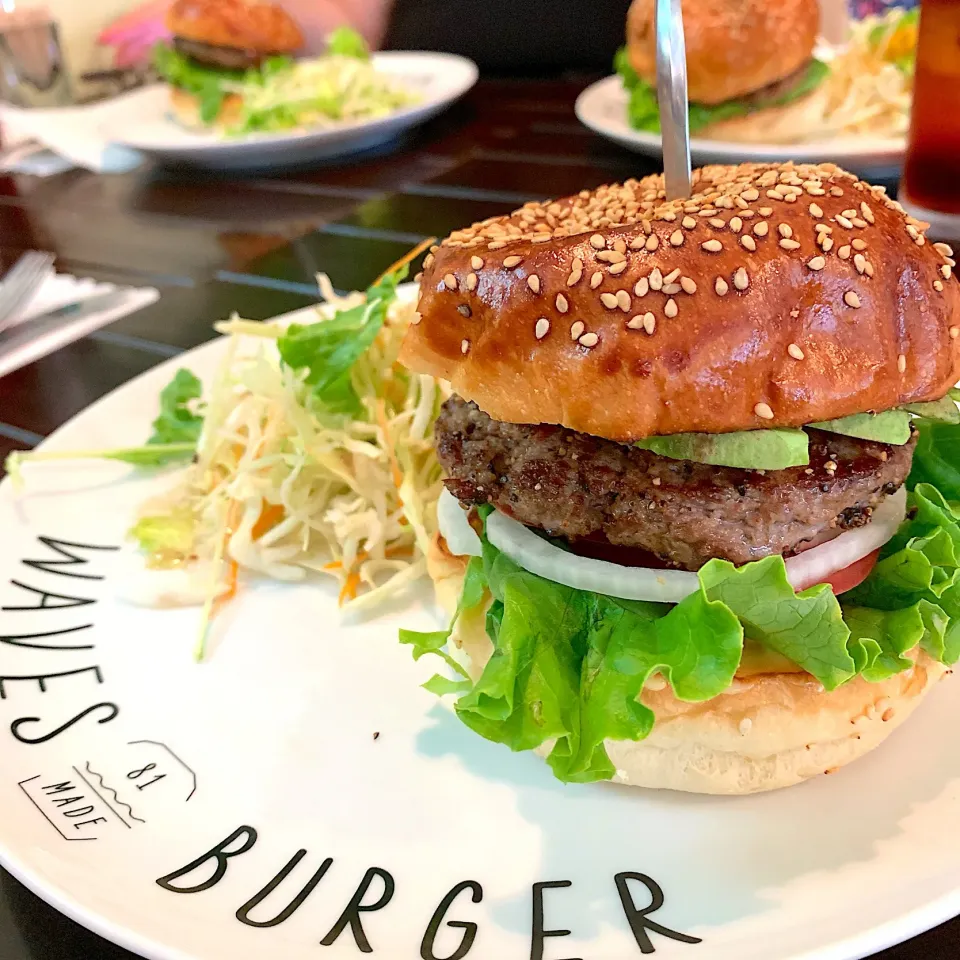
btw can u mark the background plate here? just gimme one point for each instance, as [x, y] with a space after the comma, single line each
[603, 108]
[142, 120]
[122, 761]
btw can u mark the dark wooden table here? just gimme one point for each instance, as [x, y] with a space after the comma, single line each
[253, 244]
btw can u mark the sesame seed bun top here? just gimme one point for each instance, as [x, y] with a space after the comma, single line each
[734, 47]
[774, 296]
[248, 25]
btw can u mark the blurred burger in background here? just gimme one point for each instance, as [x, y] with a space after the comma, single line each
[751, 69]
[215, 45]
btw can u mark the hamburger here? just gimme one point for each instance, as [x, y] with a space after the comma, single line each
[215, 46]
[699, 461]
[751, 72]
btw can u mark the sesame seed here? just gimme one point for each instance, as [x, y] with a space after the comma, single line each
[416, 318]
[938, 286]
[597, 242]
[671, 288]
[844, 222]
[637, 242]
[608, 300]
[669, 216]
[635, 323]
[795, 351]
[656, 279]
[867, 212]
[794, 313]
[850, 214]
[717, 222]
[912, 231]
[533, 282]
[815, 210]
[751, 194]
[428, 261]
[740, 279]
[817, 263]
[471, 281]
[944, 248]
[688, 285]
[623, 300]
[844, 252]
[618, 268]
[574, 277]
[670, 308]
[766, 211]
[774, 195]
[511, 262]
[619, 246]
[689, 223]
[562, 304]
[450, 281]
[721, 287]
[954, 333]
[611, 256]
[761, 229]
[596, 280]
[858, 244]
[789, 244]
[711, 246]
[676, 238]
[542, 328]
[836, 192]
[576, 328]
[823, 228]
[464, 346]
[653, 241]
[860, 262]
[589, 340]
[763, 411]
[901, 363]
[826, 243]
[736, 224]
[785, 230]
[830, 466]
[747, 241]
[851, 299]
[476, 262]
[945, 271]
[643, 285]
[672, 276]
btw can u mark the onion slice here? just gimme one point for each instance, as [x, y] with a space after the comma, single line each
[541, 557]
[462, 539]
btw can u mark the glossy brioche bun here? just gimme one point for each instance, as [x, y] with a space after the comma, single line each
[766, 731]
[186, 110]
[243, 24]
[559, 313]
[734, 47]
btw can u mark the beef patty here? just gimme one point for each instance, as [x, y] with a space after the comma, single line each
[226, 58]
[576, 486]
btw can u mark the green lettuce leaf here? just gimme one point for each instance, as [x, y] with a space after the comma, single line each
[643, 112]
[204, 82]
[936, 459]
[945, 410]
[328, 349]
[346, 42]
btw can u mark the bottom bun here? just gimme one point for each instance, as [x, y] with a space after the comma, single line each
[186, 110]
[790, 123]
[764, 732]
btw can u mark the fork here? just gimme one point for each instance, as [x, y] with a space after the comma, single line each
[21, 283]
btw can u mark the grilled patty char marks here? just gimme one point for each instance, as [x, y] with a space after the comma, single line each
[574, 485]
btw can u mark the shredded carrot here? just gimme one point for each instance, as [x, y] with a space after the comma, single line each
[384, 426]
[349, 591]
[391, 553]
[270, 516]
[407, 257]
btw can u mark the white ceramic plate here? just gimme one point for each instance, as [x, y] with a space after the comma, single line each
[603, 108]
[122, 762]
[142, 120]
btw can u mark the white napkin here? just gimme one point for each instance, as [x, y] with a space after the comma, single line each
[18, 348]
[49, 141]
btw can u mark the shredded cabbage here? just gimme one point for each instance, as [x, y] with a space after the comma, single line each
[282, 486]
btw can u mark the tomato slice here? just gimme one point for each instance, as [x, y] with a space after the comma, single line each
[854, 575]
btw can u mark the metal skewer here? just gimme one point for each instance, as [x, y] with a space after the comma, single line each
[672, 98]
